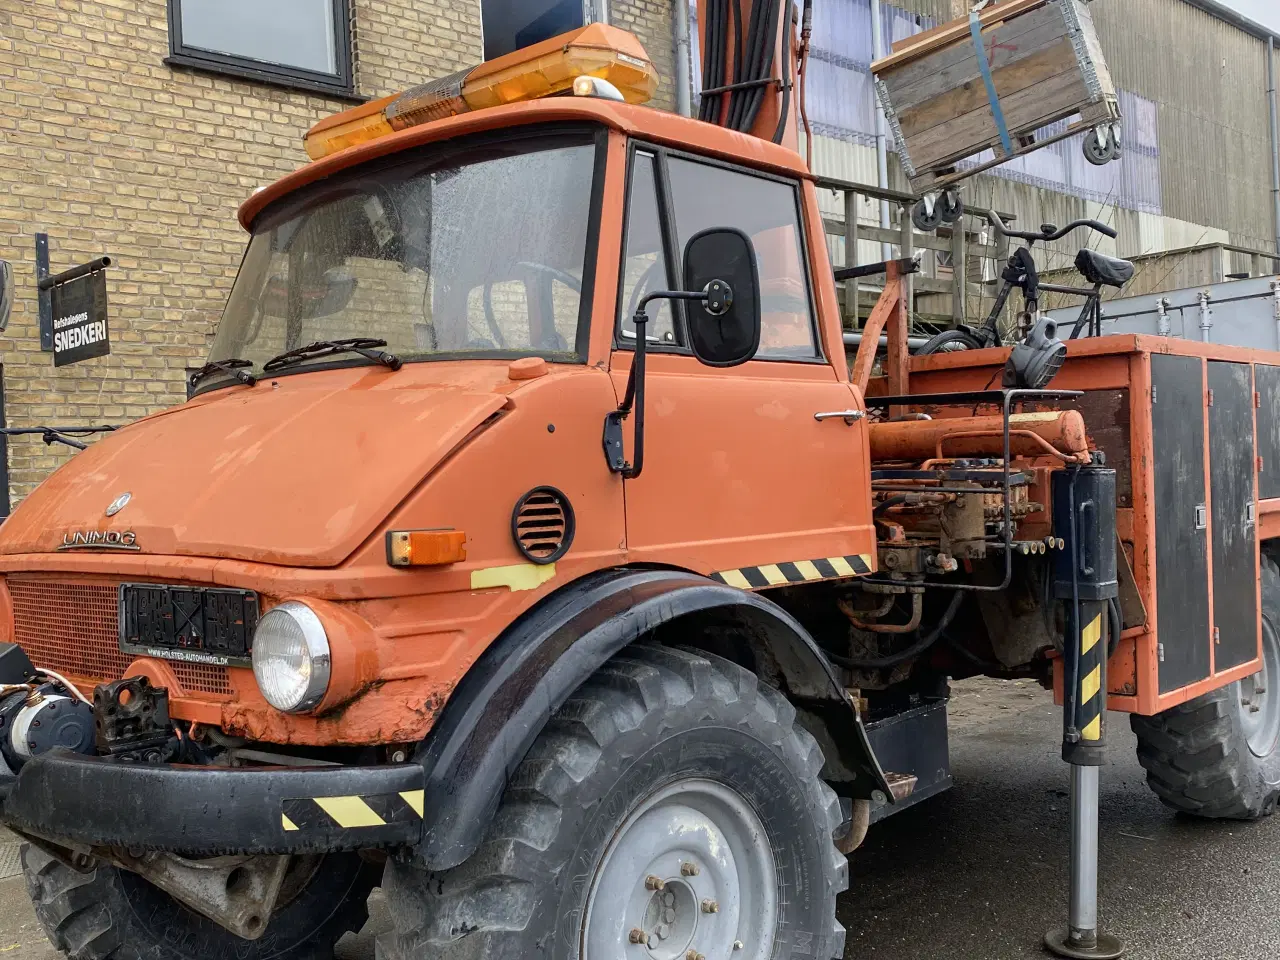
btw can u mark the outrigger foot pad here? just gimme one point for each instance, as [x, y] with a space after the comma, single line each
[1105, 947]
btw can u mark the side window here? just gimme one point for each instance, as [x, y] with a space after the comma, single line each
[705, 197]
[644, 267]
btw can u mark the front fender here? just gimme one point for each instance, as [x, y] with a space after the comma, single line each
[507, 696]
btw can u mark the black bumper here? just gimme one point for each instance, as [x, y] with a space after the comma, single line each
[88, 802]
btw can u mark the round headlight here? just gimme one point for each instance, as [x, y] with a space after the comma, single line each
[291, 657]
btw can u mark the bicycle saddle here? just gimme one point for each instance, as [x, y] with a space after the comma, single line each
[1099, 268]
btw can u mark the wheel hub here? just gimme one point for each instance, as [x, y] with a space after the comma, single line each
[670, 920]
[689, 874]
[1259, 705]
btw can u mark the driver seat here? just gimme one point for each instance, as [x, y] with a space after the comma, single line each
[1099, 268]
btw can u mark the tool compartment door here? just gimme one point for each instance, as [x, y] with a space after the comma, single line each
[1181, 515]
[1235, 549]
[1268, 387]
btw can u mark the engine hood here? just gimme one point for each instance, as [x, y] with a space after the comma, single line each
[296, 471]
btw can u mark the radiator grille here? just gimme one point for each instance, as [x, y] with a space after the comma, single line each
[73, 628]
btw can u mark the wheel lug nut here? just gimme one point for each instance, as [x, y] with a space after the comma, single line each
[654, 883]
[689, 870]
[636, 935]
[694, 955]
[737, 944]
[710, 906]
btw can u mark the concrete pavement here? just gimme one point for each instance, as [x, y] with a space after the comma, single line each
[979, 873]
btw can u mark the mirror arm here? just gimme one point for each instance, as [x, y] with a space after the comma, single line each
[633, 399]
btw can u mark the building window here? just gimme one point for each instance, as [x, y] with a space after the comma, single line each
[512, 24]
[296, 43]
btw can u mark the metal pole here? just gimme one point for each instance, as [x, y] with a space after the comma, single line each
[1084, 576]
[1083, 915]
[882, 151]
[1275, 140]
[680, 28]
[851, 255]
[907, 251]
[959, 271]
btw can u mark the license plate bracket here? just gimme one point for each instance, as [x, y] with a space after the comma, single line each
[212, 625]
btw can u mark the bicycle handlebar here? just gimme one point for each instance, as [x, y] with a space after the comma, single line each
[1048, 231]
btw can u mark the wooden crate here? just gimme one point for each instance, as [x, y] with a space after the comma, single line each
[1045, 63]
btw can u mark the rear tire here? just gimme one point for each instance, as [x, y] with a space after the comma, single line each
[1215, 756]
[664, 757]
[111, 913]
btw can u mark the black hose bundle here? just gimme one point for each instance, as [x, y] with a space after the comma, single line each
[752, 64]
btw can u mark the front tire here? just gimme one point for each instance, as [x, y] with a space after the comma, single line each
[672, 802]
[1218, 756]
[111, 913]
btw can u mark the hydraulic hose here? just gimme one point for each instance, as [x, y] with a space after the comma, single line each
[924, 642]
[789, 69]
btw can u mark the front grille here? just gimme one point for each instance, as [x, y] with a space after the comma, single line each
[73, 628]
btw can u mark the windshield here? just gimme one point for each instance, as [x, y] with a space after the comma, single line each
[459, 251]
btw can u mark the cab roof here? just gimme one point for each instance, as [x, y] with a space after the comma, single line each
[642, 122]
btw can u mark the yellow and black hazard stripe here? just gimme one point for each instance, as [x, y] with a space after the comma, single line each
[796, 571]
[1092, 697]
[351, 812]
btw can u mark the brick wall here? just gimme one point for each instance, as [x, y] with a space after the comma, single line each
[110, 151]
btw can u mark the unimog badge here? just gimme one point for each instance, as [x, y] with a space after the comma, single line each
[99, 540]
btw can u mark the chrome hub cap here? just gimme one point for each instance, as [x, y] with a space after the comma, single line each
[689, 874]
[1259, 704]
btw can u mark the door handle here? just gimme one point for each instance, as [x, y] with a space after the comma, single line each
[850, 417]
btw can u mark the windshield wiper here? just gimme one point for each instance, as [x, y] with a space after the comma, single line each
[365, 346]
[234, 366]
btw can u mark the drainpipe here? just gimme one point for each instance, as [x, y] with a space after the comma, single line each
[680, 29]
[882, 152]
[1275, 141]
[1206, 314]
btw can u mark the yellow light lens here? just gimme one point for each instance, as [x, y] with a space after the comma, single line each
[542, 70]
[425, 548]
[357, 125]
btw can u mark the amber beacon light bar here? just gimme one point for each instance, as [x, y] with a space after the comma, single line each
[545, 69]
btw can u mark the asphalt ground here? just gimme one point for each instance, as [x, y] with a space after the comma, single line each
[980, 872]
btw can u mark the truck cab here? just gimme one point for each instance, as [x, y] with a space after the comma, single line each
[424, 465]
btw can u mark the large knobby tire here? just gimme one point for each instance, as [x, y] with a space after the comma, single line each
[673, 797]
[111, 913]
[1217, 756]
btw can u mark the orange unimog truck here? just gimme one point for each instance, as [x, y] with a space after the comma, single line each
[528, 546]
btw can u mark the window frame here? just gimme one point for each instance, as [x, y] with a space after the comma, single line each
[666, 230]
[675, 265]
[594, 135]
[340, 85]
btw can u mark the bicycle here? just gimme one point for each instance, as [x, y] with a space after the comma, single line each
[1020, 271]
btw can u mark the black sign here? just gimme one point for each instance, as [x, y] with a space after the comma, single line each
[80, 319]
[194, 624]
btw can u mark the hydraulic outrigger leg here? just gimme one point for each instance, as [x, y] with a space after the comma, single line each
[1084, 576]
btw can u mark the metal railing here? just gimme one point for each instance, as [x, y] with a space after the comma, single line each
[961, 242]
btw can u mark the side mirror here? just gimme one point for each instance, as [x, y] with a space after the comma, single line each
[724, 328]
[6, 293]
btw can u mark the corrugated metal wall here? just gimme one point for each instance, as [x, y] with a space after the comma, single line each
[1193, 91]
[1209, 79]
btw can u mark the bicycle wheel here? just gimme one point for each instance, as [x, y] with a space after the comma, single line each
[949, 341]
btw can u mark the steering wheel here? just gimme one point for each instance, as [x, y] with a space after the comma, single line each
[490, 319]
[642, 287]
[568, 279]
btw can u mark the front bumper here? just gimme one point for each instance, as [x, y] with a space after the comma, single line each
[85, 802]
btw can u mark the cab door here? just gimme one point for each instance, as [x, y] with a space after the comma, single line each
[740, 479]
